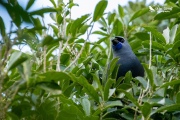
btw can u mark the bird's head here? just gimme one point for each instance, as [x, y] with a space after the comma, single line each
[120, 46]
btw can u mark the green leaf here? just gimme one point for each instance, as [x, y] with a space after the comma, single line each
[142, 81]
[55, 29]
[157, 34]
[178, 98]
[87, 60]
[47, 40]
[167, 108]
[128, 77]
[146, 110]
[176, 46]
[121, 11]
[112, 66]
[53, 2]
[155, 45]
[99, 10]
[42, 11]
[2, 27]
[111, 17]
[139, 13]
[37, 24]
[118, 27]
[173, 82]
[11, 116]
[97, 81]
[100, 33]
[65, 58]
[130, 97]
[77, 24]
[69, 110]
[142, 35]
[107, 88]
[91, 117]
[16, 59]
[173, 13]
[55, 76]
[109, 104]
[150, 75]
[30, 3]
[125, 86]
[86, 106]
[49, 86]
[59, 18]
[157, 100]
[88, 87]
[84, 29]
[136, 44]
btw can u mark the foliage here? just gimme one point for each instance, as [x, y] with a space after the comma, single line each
[77, 83]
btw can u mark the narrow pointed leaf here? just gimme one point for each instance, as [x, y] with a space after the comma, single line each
[130, 97]
[2, 27]
[156, 34]
[99, 10]
[174, 82]
[121, 11]
[174, 13]
[88, 87]
[139, 13]
[107, 88]
[30, 3]
[150, 75]
[86, 106]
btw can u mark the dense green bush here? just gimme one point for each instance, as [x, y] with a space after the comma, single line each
[76, 83]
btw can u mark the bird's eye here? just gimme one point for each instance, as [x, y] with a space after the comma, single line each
[120, 39]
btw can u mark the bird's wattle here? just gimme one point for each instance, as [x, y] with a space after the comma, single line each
[118, 46]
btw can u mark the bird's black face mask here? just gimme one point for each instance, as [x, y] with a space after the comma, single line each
[117, 43]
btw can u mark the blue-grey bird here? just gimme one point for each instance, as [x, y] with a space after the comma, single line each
[128, 60]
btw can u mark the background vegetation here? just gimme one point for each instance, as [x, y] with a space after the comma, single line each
[73, 85]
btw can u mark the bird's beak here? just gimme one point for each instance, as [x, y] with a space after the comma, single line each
[114, 41]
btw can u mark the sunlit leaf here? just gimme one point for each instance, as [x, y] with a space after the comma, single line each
[155, 45]
[16, 59]
[111, 17]
[157, 34]
[121, 11]
[139, 13]
[173, 13]
[99, 10]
